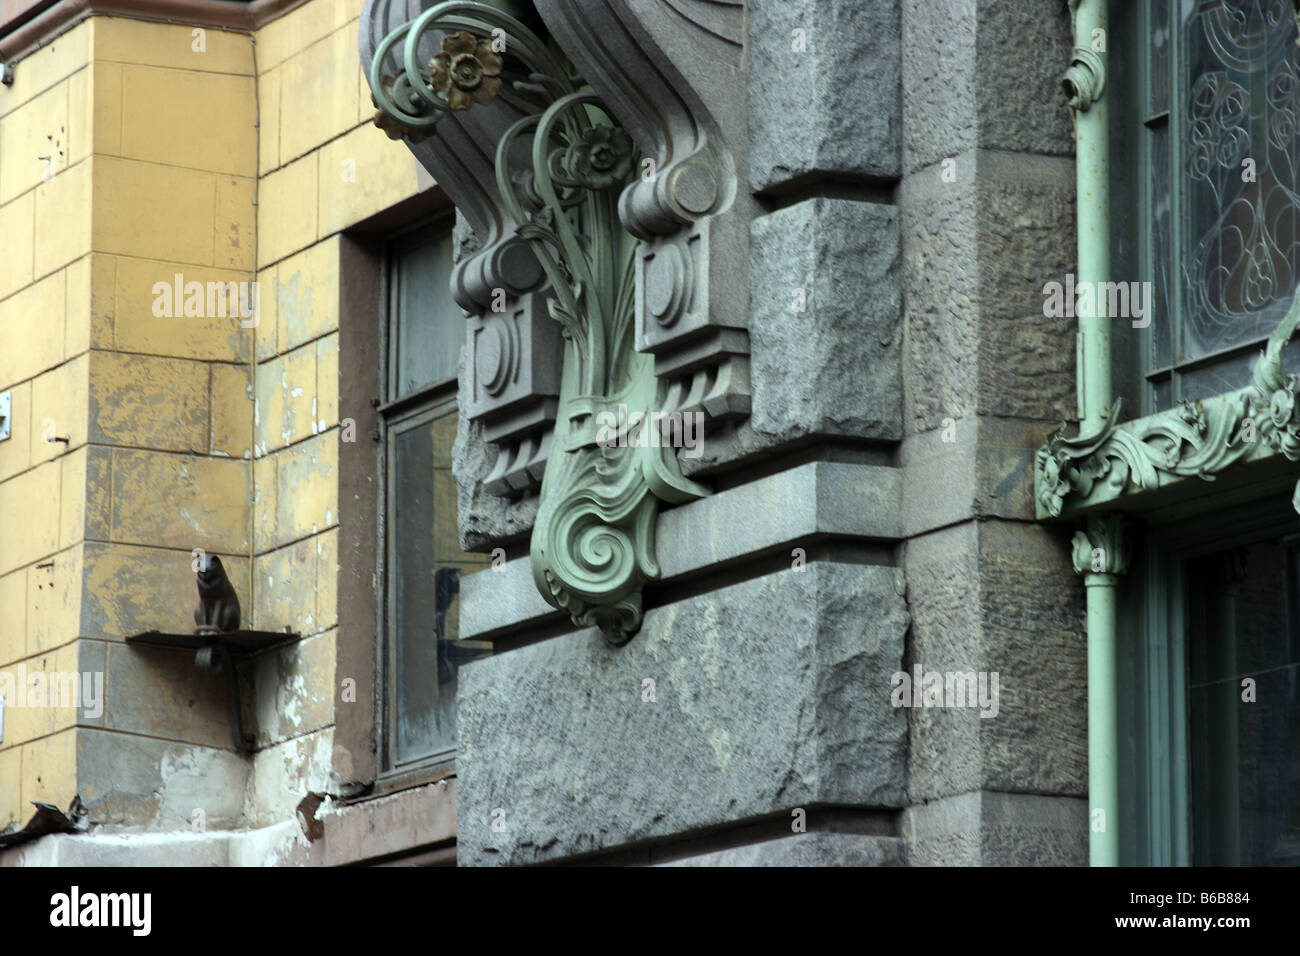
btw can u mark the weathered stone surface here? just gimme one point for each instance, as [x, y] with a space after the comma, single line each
[825, 89]
[818, 498]
[806, 849]
[1032, 607]
[998, 829]
[939, 80]
[967, 468]
[285, 773]
[390, 824]
[833, 368]
[352, 833]
[940, 270]
[501, 599]
[158, 784]
[998, 596]
[1026, 239]
[1018, 96]
[121, 849]
[774, 693]
[977, 251]
[293, 689]
[158, 692]
[984, 75]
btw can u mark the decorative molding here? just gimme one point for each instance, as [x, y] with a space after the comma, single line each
[499, 282]
[691, 303]
[1194, 440]
[685, 204]
[558, 169]
[35, 25]
[1085, 79]
[1099, 546]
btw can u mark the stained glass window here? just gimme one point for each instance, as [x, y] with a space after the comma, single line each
[1220, 114]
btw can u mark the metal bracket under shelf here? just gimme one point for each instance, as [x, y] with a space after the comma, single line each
[221, 651]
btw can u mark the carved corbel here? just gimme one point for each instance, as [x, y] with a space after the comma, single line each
[558, 168]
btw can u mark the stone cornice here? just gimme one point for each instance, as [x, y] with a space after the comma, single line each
[24, 31]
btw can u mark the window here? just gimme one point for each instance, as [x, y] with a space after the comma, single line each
[424, 330]
[1209, 653]
[1205, 170]
[1243, 710]
[1210, 149]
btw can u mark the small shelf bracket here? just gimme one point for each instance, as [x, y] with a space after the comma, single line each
[221, 651]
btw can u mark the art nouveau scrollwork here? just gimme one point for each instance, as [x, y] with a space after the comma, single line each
[1191, 441]
[691, 307]
[1085, 79]
[566, 189]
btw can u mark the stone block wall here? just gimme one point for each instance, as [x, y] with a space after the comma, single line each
[912, 169]
[219, 156]
[903, 187]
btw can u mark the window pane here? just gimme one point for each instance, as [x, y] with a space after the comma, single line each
[1245, 754]
[1159, 51]
[426, 327]
[1240, 97]
[1162, 310]
[424, 577]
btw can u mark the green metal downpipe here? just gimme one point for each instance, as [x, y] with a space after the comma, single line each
[1103, 720]
[1084, 83]
[1102, 558]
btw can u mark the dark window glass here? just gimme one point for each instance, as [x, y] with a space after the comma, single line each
[1244, 710]
[426, 327]
[1218, 115]
[423, 561]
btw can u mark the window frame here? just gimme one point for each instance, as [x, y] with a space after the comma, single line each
[1249, 501]
[1155, 781]
[395, 413]
[410, 415]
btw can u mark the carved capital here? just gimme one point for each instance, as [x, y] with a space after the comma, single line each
[1099, 546]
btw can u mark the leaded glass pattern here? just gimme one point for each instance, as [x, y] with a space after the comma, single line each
[1219, 114]
[1240, 90]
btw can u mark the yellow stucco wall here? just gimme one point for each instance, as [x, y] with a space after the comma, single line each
[223, 158]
